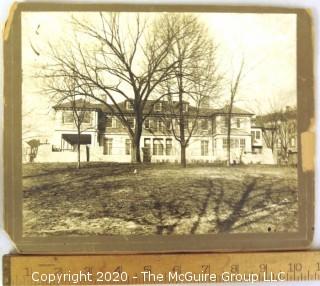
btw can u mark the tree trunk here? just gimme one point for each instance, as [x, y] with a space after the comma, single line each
[135, 146]
[183, 156]
[182, 120]
[229, 139]
[78, 165]
[135, 151]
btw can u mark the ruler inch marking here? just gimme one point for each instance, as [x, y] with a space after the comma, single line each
[266, 265]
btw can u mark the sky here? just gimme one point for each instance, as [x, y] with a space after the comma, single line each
[265, 42]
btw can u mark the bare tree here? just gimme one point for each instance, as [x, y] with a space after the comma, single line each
[122, 63]
[80, 115]
[279, 128]
[66, 90]
[234, 86]
[269, 122]
[192, 80]
[276, 125]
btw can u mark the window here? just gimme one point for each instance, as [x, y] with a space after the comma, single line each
[204, 124]
[225, 121]
[84, 116]
[129, 105]
[147, 143]
[242, 143]
[112, 122]
[204, 148]
[158, 147]
[214, 125]
[131, 122]
[67, 117]
[185, 107]
[168, 125]
[168, 146]
[225, 143]
[147, 124]
[160, 125]
[256, 134]
[238, 123]
[128, 146]
[107, 147]
[186, 124]
[293, 142]
[157, 106]
[109, 122]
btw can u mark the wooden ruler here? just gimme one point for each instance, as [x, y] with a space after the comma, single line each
[161, 268]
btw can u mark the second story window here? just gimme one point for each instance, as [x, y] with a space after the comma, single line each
[225, 121]
[111, 122]
[129, 105]
[160, 125]
[168, 125]
[186, 124]
[131, 122]
[67, 117]
[147, 124]
[157, 106]
[204, 124]
[185, 107]
[256, 135]
[238, 123]
[108, 122]
[114, 122]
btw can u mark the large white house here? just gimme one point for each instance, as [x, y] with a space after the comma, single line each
[104, 138]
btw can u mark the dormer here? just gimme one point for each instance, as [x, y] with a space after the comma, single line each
[157, 106]
[129, 105]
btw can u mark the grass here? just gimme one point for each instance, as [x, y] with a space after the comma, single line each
[109, 199]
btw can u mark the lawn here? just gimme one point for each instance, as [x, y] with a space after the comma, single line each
[111, 199]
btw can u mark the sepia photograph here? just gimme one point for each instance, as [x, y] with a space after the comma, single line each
[159, 123]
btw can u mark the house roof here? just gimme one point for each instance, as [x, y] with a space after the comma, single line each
[79, 103]
[166, 108]
[235, 110]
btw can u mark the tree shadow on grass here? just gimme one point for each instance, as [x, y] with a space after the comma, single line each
[157, 204]
[224, 225]
[260, 200]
